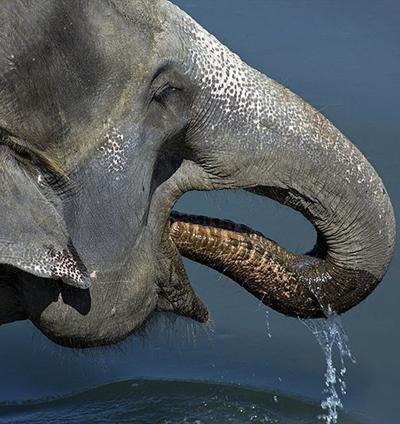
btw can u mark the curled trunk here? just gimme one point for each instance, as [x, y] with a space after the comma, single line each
[250, 132]
[306, 286]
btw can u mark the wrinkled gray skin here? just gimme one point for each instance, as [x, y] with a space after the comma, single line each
[109, 112]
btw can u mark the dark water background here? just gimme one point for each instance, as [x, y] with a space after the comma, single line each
[344, 58]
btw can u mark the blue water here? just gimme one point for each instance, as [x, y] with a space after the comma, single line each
[166, 402]
[344, 58]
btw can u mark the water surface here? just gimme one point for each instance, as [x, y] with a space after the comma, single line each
[166, 402]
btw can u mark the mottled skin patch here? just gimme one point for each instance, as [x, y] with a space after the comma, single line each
[112, 151]
[109, 112]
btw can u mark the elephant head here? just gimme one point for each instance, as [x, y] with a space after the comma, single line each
[112, 110]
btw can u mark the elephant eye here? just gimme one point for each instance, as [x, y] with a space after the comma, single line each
[162, 94]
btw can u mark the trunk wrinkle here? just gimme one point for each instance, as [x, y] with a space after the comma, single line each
[306, 286]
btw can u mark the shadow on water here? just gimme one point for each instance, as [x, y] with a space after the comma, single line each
[147, 401]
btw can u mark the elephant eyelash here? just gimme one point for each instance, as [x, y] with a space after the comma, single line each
[164, 92]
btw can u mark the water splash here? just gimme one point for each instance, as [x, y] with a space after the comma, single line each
[330, 334]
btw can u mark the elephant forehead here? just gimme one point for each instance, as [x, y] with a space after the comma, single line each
[68, 66]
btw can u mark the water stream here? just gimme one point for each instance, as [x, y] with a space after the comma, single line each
[333, 340]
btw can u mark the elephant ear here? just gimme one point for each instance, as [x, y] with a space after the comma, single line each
[33, 234]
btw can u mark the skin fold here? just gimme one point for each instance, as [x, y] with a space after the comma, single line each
[109, 112]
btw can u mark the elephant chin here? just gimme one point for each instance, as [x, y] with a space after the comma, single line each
[304, 286]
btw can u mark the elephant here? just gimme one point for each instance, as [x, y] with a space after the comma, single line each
[109, 112]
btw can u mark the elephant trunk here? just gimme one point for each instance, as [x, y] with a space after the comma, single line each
[353, 250]
[296, 285]
[252, 133]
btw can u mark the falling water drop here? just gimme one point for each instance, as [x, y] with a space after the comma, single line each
[268, 325]
[330, 334]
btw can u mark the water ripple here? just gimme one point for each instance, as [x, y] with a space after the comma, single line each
[166, 402]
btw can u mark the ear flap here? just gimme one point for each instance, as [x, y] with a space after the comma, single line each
[33, 234]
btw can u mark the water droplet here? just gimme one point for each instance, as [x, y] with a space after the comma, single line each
[268, 324]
